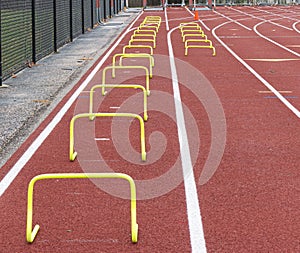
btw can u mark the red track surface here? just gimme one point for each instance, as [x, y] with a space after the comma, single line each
[251, 202]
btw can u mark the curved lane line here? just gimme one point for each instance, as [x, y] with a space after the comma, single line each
[275, 14]
[192, 201]
[234, 21]
[259, 77]
[272, 41]
[263, 19]
[295, 28]
[16, 169]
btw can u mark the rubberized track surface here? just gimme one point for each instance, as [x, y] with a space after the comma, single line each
[248, 187]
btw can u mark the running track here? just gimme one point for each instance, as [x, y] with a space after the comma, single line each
[243, 148]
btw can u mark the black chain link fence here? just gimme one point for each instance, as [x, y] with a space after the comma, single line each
[33, 29]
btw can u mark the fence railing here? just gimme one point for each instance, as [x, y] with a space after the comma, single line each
[32, 29]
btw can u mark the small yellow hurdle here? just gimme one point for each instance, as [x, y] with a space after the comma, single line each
[73, 154]
[139, 55]
[126, 67]
[133, 40]
[187, 46]
[141, 31]
[133, 86]
[188, 23]
[138, 46]
[185, 36]
[31, 234]
[151, 27]
[190, 31]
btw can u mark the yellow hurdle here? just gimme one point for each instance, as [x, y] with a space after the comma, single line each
[138, 46]
[151, 27]
[151, 22]
[31, 234]
[151, 61]
[188, 23]
[73, 154]
[143, 40]
[139, 35]
[153, 18]
[140, 31]
[197, 31]
[187, 46]
[202, 35]
[126, 67]
[133, 86]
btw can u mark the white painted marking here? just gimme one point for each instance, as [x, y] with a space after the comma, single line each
[192, 201]
[114, 107]
[274, 14]
[15, 170]
[167, 21]
[263, 19]
[102, 139]
[295, 28]
[273, 60]
[272, 41]
[259, 77]
[234, 21]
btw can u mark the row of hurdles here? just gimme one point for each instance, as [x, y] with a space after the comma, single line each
[146, 32]
[193, 37]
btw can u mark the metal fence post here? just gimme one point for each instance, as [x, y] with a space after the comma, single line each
[0, 45]
[54, 26]
[71, 20]
[92, 14]
[33, 31]
[82, 15]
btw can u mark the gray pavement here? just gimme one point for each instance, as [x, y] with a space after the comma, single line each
[33, 93]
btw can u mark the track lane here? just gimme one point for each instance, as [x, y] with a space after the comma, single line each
[239, 204]
[242, 204]
[162, 219]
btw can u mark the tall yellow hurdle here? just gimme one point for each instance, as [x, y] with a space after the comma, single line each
[73, 154]
[31, 234]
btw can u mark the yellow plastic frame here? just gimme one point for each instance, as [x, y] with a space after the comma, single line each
[140, 55]
[73, 154]
[202, 35]
[187, 23]
[140, 30]
[31, 234]
[137, 46]
[126, 67]
[143, 40]
[145, 26]
[186, 46]
[133, 86]
[196, 31]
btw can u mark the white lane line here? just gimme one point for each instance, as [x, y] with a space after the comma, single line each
[295, 28]
[234, 21]
[272, 41]
[259, 77]
[167, 21]
[275, 14]
[102, 139]
[15, 170]
[192, 201]
[263, 19]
